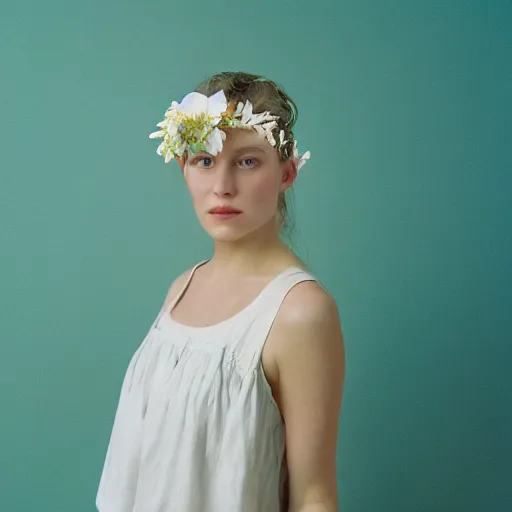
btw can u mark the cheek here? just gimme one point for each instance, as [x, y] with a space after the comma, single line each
[196, 187]
[265, 192]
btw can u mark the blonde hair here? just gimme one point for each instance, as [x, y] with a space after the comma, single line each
[265, 95]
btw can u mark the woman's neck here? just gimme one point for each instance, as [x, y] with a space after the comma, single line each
[242, 260]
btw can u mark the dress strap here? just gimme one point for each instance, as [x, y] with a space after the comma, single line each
[166, 309]
[267, 312]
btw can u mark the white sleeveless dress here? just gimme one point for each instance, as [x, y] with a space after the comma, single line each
[196, 428]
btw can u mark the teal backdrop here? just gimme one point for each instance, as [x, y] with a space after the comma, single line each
[404, 212]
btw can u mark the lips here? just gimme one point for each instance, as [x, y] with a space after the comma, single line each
[224, 210]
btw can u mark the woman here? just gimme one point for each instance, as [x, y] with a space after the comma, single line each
[231, 402]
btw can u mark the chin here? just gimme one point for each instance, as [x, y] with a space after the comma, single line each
[232, 231]
[225, 235]
[227, 232]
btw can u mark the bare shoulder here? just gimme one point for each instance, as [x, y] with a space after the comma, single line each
[308, 303]
[308, 319]
[176, 286]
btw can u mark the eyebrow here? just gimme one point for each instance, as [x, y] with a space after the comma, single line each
[243, 149]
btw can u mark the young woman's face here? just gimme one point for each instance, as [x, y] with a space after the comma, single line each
[247, 175]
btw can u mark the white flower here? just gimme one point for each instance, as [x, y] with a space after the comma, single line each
[282, 140]
[295, 151]
[195, 104]
[199, 123]
[300, 160]
[268, 127]
[250, 119]
[214, 141]
[303, 159]
[263, 123]
[157, 134]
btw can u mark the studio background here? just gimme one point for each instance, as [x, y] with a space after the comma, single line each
[403, 212]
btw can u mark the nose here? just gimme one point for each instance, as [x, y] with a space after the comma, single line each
[224, 181]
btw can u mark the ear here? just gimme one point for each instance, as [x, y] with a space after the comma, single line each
[289, 173]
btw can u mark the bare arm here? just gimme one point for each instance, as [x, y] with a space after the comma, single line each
[310, 358]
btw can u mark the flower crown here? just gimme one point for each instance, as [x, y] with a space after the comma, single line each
[198, 124]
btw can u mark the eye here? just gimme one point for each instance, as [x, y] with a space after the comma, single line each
[208, 161]
[253, 162]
